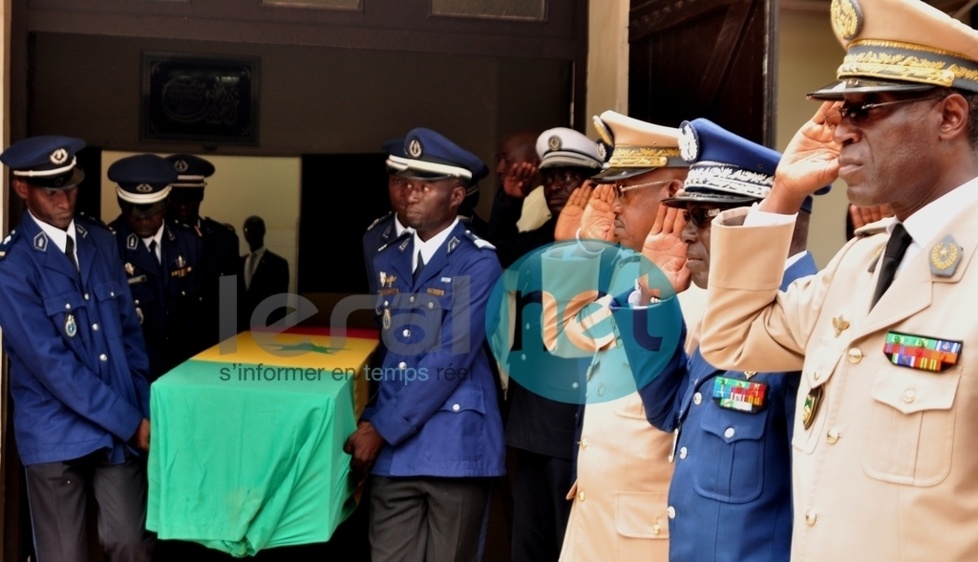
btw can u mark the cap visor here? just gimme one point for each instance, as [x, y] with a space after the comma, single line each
[60, 181]
[410, 174]
[567, 160]
[688, 198]
[612, 175]
[836, 90]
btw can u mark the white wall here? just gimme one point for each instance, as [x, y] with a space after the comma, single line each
[241, 187]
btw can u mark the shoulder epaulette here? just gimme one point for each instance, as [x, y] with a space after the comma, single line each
[220, 224]
[479, 242]
[404, 237]
[7, 242]
[379, 220]
[90, 221]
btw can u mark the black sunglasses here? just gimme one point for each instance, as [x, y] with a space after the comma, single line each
[700, 216]
[860, 113]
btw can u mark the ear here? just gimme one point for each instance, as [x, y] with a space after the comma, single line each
[955, 115]
[21, 187]
[458, 195]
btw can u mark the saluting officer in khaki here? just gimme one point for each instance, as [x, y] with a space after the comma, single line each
[885, 464]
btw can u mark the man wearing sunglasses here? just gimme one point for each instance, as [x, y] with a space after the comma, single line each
[623, 472]
[884, 460]
[730, 495]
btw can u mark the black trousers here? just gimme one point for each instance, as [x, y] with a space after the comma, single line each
[58, 495]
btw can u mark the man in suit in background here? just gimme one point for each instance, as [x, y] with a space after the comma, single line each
[263, 273]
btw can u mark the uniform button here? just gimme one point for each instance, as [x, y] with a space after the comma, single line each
[682, 452]
[527, 325]
[671, 512]
[575, 385]
[601, 390]
[811, 517]
[697, 398]
[402, 365]
[729, 433]
[67, 306]
[406, 333]
[909, 395]
[103, 357]
[855, 355]
[656, 529]
[522, 356]
[833, 435]
[817, 375]
[112, 294]
[86, 296]
[584, 442]
[411, 298]
[456, 407]
[95, 327]
[431, 304]
[183, 293]
[386, 303]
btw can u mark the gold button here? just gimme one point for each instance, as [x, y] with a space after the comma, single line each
[580, 496]
[833, 435]
[811, 517]
[855, 355]
[697, 398]
[909, 395]
[656, 529]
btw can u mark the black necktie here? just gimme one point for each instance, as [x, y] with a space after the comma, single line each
[896, 246]
[419, 267]
[70, 251]
[152, 250]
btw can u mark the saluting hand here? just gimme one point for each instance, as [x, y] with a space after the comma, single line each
[518, 181]
[665, 248]
[598, 220]
[570, 216]
[810, 162]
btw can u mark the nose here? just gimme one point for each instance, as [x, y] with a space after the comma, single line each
[845, 132]
[690, 233]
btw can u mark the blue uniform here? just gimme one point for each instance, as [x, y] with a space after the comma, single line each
[78, 363]
[167, 294]
[730, 496]
[436, 407]
[380, 233]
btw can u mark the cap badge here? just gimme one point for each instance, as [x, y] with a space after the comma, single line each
[414, 148]
[839, 324]
[945, 257]
[602, 149]
[181, 166]
[144, 188]
[847, 18]
[59, 156]
[554, 142]
[689, 147]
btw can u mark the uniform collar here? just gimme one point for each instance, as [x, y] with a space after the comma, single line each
[429, 248]
[55, 234]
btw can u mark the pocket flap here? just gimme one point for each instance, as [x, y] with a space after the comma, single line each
[66, 302]
[465, 398]
[909, 390]
[641, 515]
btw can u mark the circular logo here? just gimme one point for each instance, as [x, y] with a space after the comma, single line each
[144, 188]
[554, 142]
[414, 148]
[559, 322]
[181, 166]
[602, 149]
[59, 156]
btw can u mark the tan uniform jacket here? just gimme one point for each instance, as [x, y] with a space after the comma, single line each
[620, 498]
[888, 468]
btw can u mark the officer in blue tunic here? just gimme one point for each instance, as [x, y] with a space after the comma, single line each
[78, 366]
[161, 260]
[390, 226]
[730, 495]
[220, 246]
[433, 437]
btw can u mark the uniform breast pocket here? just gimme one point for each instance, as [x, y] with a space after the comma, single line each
[456, 431]
[66, 311]
[910, 435]
[731, 456]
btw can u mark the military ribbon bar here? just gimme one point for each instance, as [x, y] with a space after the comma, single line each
[921, 352]
[740, 395]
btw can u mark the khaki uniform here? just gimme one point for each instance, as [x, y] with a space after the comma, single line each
[620, 498]
[886, 467]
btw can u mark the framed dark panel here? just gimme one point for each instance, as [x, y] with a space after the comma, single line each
[200, 98]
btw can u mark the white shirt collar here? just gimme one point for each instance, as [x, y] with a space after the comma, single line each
[429, 248]
[400, 228]
[930, 220]
[158, 237]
